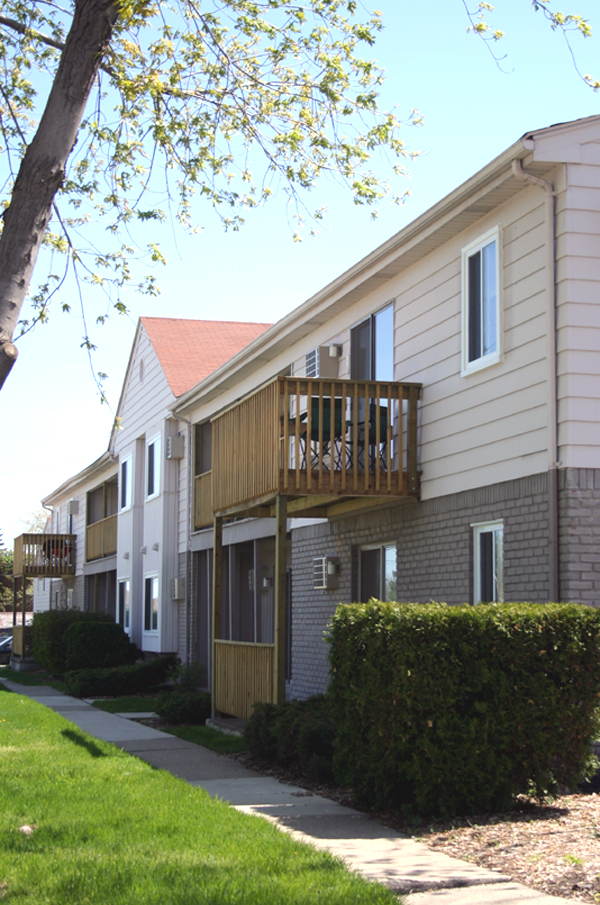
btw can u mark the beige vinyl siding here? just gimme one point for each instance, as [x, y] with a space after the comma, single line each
[492, 425]
[578, 316]
[489, 426]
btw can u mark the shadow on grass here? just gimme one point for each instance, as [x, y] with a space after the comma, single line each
[79, 739]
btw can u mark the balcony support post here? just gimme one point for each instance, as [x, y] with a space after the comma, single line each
[216, 606]
[14, 601]
[280, 598]
[24, 599]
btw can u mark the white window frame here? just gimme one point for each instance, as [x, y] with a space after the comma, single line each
[381, 547]
[494, 528]
[493, 357]
[126, 460]
[153, 577]
[154, 442]
[126, 624]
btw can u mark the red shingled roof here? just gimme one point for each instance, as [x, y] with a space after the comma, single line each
[190, 350]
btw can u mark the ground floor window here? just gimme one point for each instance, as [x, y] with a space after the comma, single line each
[151, 603]
[124, 606]
[378, 571]
[488, 541]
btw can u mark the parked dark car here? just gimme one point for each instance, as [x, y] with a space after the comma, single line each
[5, 648]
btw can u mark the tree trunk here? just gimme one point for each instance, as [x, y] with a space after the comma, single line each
[43, 167]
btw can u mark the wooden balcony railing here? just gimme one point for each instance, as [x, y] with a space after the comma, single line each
[44, 555]
[203, 511]
[298, 437]
[243, 675]
[101, 538]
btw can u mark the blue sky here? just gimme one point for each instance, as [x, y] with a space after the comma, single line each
[53, 423]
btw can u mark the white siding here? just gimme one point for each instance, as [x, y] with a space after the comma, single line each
[155, 524]
[578, 316]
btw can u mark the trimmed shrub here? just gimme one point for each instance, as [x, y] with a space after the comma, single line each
[98, 645]
[48, 635]
[121, 680]
[179, 705]
[445, 710]
[185, 702]
[296, 734]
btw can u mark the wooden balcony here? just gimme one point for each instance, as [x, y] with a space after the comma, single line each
[44, 555]
[101, 538]
[316, 442]
[203, 511]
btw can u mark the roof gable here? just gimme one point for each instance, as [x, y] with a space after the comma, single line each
[190, 350]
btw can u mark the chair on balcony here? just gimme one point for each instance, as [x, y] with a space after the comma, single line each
[377, 452]
[332, 445]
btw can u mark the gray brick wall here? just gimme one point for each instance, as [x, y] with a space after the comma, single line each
[434, 557]
[579, 537]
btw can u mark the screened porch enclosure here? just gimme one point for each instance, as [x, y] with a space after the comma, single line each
[243, 654]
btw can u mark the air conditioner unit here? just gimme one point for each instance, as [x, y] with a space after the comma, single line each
[325, 573]
[73, 507]
[175, 447]
[178, 589]
[319, 363]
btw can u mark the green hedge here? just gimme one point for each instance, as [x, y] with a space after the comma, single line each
[48, 636]
[185, 702]
[444, 710]
[296, 734]
[121, 680]
[98, 645]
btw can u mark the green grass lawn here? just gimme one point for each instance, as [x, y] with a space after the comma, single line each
[39, 677]
[209, 738]
[111, 829]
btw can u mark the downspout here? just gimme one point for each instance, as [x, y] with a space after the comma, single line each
[553, 463]
[188, 544]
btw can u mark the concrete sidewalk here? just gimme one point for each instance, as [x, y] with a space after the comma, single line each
[423, 876]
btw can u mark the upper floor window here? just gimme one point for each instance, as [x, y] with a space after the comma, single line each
[488, 554]
[481, 302]
[57, 521]
[203, 448]
[153, 467]
[372, 347]
[125, 483]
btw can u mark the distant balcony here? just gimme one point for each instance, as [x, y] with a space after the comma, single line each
[315, 441]
[44, 555]
[101, 538]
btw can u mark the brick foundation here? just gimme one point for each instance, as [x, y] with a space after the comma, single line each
[434, 560]
[579, 535]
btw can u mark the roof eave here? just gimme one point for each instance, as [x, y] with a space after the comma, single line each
[100, 464]
[301, 319]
